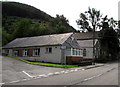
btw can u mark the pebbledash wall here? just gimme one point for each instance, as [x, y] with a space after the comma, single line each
[54, 56]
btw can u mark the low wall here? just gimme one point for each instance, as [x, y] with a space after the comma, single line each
[73, 59]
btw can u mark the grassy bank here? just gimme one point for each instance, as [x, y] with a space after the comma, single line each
[43, 64]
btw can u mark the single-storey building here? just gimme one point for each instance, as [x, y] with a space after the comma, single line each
[56, 48]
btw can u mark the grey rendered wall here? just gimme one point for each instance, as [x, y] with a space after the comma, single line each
[89, 53]
[10, 52]
[54, 57]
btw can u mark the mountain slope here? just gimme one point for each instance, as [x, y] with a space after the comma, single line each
[22, 20]
[23, 10]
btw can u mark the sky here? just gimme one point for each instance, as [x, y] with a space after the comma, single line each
[71, 9]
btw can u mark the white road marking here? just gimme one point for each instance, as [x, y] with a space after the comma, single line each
[41, 75]
[37, 77]
[83, 69]
[24, 79]
[2, 83]
[28, 74]
[72, 70]
[15, 81]
[76, 69]
[56, 72]
[62, 71]
[95, 76]
[50, 74]
[65, 72]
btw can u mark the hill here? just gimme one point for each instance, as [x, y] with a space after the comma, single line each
[22, 20]
[23, 10]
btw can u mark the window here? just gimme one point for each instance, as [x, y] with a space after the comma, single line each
[73, 51]
[16, 52]
[49, 50]
[6, 51]
[36, 52]
[84, 52]
[79, 53]
[25, 52]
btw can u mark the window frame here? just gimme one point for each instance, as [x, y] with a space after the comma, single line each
[26, 51]
[36, 52]
[84, 52]
[16, 52]
[48, 49]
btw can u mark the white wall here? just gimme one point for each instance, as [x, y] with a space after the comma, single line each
[55, 56]
[89, 53]
[7, 51]
[10, 52]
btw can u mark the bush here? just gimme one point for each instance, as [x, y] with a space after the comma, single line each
[101, 59]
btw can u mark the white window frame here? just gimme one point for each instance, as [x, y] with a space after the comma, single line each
[25, 52]
[48, 50]
[36, 52]
[16, 52]
[84, 52]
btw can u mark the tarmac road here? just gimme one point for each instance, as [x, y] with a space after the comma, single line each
[104, 75]
[14, 70]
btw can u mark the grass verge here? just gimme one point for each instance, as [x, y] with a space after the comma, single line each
[43, 64]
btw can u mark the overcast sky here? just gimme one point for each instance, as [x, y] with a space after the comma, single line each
[72, 8]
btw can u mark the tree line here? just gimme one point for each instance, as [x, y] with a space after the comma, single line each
[17, 27]
[109, 32]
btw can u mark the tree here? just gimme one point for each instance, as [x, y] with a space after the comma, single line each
[6, 37]
[60, 25]
[118, 29]
[109, 43]
[91, 20]
[22, 28]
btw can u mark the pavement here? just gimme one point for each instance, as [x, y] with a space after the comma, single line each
[16, 71]
[89, 66]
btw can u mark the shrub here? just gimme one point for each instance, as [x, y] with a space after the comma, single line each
[101, 59]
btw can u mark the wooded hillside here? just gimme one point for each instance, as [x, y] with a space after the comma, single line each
[21, 20]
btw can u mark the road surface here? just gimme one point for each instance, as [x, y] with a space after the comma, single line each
[104, 75]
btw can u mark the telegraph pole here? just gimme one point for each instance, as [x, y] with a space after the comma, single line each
[93, 45]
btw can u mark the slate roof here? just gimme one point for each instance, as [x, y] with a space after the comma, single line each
[55, 39]
[85, 43]
[85, 35]
[85, 39]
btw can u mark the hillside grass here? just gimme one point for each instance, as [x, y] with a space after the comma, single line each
[43, 64]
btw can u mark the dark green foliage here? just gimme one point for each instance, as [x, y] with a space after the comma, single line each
[23, 10]
[60, 24]
[109, 43]
[101, 59]
[21, 20]
[6, 37]
[22, 28]
[90, 20]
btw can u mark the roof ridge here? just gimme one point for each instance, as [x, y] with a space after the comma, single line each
[39, 40]
[45, 35]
